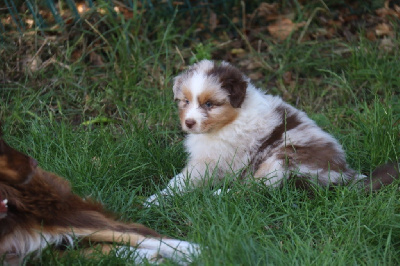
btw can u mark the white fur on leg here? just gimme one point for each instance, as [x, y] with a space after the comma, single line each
[176, 250]
[139, 255]
[221, 192]
[154, 250]
[175, 185]
[152, 200]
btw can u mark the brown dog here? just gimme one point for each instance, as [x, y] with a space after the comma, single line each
[38, 209]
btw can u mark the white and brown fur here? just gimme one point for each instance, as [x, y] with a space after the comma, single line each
[235, 128]
[38, 209]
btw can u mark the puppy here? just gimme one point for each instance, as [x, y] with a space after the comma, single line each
[235, 128]
[38, 209]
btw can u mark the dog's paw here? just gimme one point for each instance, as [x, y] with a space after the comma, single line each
[221, 191]
[179, 251]
[138, 255]
[156, 250]
[151, 201]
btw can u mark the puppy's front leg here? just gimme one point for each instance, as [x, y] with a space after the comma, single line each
[190, 177]
[176, 185]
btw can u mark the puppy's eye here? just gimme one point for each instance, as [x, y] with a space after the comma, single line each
[208, 104]
[186, 101]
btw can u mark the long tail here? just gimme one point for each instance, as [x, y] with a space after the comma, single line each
[382, 176]
[94, 219]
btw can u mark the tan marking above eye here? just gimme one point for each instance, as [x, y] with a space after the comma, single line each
[215, 96]
[205, 96]
[187, 94]
[213, 103]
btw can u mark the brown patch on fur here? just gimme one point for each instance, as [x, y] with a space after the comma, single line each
[319, 156]
[47, 204]
[289, 121]
[15, 167]
[219, 117]
[187, 94]
[205, 96]
[232, 81]
[263, 168]
[182, 116]
[383, 175]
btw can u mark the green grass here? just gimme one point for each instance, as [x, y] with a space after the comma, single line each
[113, 132]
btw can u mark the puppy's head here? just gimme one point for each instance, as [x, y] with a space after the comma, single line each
[209, 96]
[15, 167]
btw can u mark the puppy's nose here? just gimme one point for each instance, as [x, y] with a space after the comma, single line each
[190, 123]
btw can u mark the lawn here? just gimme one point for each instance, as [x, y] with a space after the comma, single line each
[93, 103]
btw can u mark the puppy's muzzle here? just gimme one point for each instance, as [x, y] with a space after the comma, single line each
[190, 123]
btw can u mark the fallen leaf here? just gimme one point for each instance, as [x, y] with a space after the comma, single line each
[235, 20]
[256, 75]
[82, 7]
[397, 9]
[213, 21]
[348, 35]
[282, 28]
[31, 64]
[370, 35]
[96, 59]
[238, 51]
[287, 77]
[253, 65]
[383, 29]
[127, 13]
[76, 55]
[387, 11]
[386, 44]
[178, 3]
[269, 11]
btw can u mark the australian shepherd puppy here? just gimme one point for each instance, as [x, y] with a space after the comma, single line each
[38, 209]
[235, 128]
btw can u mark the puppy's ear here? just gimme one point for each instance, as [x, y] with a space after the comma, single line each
[233, 81]
[177, 88]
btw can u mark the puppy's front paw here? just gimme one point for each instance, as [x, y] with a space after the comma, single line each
[220, 192]
[151, 201]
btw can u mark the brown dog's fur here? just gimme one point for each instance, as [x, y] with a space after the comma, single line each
[41, 210]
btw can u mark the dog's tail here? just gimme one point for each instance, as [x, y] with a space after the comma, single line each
[100, 220]
[382, 176]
